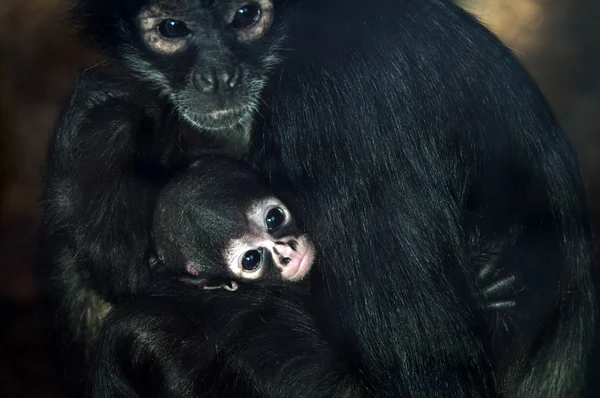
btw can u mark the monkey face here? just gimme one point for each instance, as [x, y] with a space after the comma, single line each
[219, 224]
[210, 58]
[259, 243]
[272, 247]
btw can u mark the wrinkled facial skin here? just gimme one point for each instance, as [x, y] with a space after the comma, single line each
[210, 58]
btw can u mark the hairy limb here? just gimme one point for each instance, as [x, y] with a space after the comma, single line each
[219, 344]
[98, 200]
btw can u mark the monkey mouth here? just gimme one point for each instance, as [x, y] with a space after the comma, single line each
[304, 265]
[225, 113]
[218, 118]
[224, 118]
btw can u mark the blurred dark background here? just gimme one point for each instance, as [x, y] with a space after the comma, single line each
[557, 40]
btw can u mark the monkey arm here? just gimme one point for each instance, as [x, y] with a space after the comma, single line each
[284, 354]
[244, 343]
[95, 198]
[390, 272]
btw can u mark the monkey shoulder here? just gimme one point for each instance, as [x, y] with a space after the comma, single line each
[99, 96]
[112, 80]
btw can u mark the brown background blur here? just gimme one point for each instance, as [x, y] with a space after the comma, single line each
[558, 41]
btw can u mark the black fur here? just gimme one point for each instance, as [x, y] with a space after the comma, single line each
[417, 129]
[237, 342]
[182, 342]
[177, 341]
[230, 353]
[411, 141]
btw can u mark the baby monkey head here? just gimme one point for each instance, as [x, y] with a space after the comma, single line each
[219, 225]
[209, 57]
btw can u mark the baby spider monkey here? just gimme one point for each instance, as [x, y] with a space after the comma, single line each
[218, 224]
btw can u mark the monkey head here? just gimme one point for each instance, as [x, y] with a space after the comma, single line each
[218, 225]
[209, 57]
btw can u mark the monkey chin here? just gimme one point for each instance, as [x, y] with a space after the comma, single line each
[220, 119]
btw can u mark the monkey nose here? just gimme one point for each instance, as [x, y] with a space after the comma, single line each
[231, 77]
[213, 80]
[206, 82]
[285, 249]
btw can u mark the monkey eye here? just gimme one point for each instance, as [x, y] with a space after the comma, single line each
[246, 16]
[275, 218]
[251, 260]
[172, 29]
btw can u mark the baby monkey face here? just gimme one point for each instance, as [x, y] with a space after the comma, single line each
[258, 243]
[219, 224]
[271, 247]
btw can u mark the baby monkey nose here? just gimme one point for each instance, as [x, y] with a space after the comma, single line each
[213, 79]
[285, 251]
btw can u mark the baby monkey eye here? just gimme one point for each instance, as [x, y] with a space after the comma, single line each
[275, 218]
[246, 16]
[251, 260]
[172, 29]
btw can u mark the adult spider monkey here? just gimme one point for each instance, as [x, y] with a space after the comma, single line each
[410, 140]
